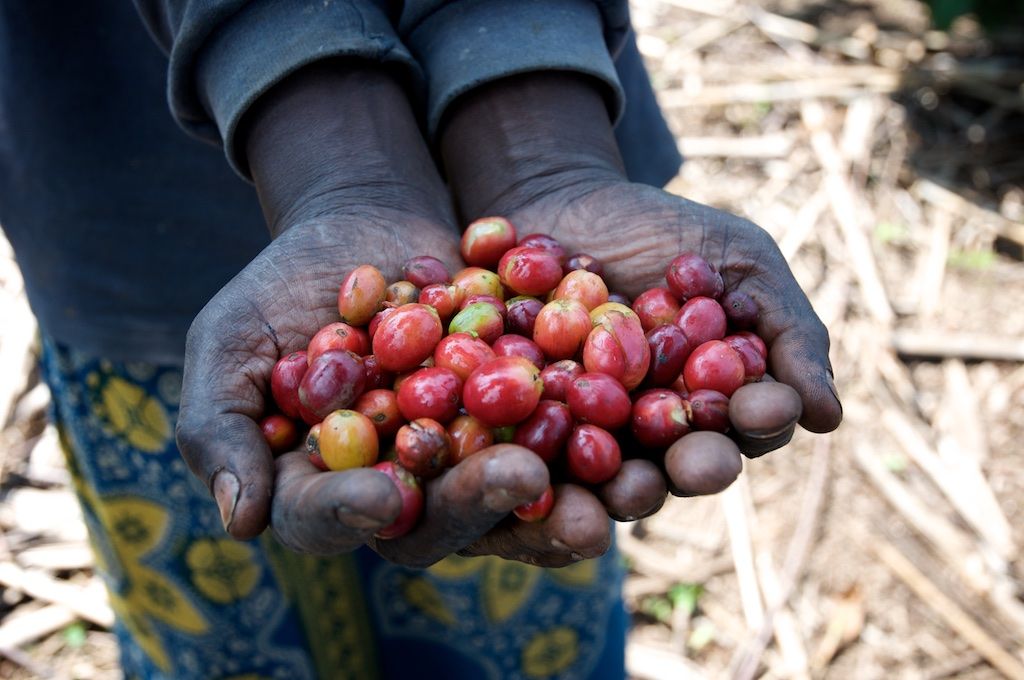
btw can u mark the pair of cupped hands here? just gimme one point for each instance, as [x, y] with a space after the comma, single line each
[345, 178]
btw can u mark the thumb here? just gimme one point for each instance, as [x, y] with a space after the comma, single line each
[217, 432]
[228, 453]
[798, 357]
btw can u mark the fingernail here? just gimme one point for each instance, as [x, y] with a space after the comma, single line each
[499, 499]
[503, 487]
[832, 387]
[357, 520]
[559, 545]
[573, 555]
[225, 491]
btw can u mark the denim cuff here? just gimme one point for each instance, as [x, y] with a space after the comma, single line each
[466, 44]
[212, 84]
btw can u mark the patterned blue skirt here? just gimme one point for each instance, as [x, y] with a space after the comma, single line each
[193, 603]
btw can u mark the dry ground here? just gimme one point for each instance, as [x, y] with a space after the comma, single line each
[887, 161]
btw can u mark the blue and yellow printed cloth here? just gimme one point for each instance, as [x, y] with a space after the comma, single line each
[193, 603]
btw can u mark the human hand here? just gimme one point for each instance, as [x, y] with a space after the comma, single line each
[355, 205]
[635, 230]
[555, 170]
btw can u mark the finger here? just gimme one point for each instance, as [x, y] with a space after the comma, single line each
[798, 354]
[577, 528]
[764, 416]
[638, 490]
[217, 432]
[327, 513]
[467, 501]
[702, 463]
[230, 455]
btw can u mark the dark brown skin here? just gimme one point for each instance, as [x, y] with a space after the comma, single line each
[637, 491]
[344, 179]
[577, 529]
[552, 163]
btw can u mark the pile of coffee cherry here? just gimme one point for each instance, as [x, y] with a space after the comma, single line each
[527, 345]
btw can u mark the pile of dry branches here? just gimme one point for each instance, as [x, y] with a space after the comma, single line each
[878, 154]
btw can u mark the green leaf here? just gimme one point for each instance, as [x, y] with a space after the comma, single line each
[657, 607]
[894, 462]
[74, 635]
[888, 232]
[971, 259]
[703, 635]
[685, 595]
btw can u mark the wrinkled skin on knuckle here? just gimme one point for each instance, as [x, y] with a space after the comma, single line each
[190, 438]
[287, 515]
[406, 558]
[278, 518]
[577, 528]
[409, 552]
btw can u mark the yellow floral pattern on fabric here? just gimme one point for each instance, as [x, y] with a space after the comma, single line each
[85, 496]
[135, 415]
[579, 574]
[422, 594]
[141, 631]
[135, 527]
[506, 587]
[329, 597]
[222, 569]
[458, 567]
[189, 601]
[550, 652]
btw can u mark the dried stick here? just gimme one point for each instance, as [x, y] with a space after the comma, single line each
[705, 34]
[22, 627]
[961, 407]
[953, 202]
[958, 345]
[672, 571]
[763, 146]
[785, 629]
[960, 481]
[88, 602]
[647, 661]
[799, 549]
[19, 657]
[57, 557]
[931, 266]
[735, 504]
[803, 226]
[946, 608]
[950, 543]
[847, 208]
[792, 90]
[16, 356]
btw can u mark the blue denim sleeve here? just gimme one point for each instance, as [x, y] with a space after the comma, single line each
[461, 44]
[224, 54]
